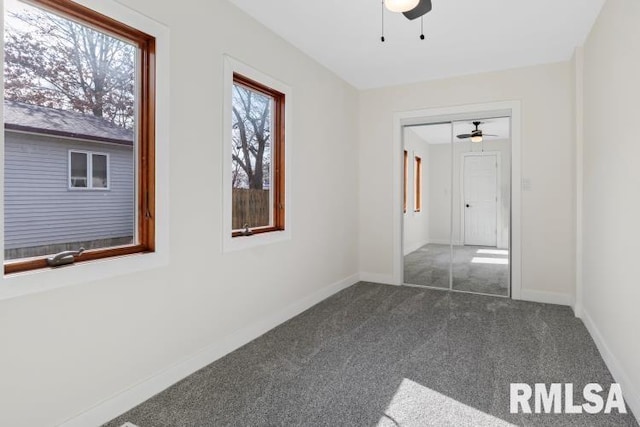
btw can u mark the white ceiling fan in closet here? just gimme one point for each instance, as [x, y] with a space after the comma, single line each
[442, 133]
[476, 134]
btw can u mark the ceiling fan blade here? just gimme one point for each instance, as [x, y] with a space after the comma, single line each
[489, 134]
[421, 9]
[465, 136]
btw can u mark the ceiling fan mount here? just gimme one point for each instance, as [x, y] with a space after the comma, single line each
[411, 9]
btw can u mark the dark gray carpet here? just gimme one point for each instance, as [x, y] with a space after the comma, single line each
[390, 356]
[429, 266]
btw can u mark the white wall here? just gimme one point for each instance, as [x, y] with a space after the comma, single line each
[69, 349]
[416, 224]
[611, 206]
[439, 201]
[548, 217]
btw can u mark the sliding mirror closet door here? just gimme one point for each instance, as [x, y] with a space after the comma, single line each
[481, 192]
[427, 205]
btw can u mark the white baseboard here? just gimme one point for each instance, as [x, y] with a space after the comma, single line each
[630, 391]
[133, 396]
[546, 297]
[444, 242]
[414, 247]
[578, 311]
[376, 278]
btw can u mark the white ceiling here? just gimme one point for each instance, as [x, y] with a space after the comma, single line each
[441, 133]
[462, 36]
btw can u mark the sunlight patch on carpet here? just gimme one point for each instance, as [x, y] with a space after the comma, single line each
[416, 405]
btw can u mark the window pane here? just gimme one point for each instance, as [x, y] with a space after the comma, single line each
[78, 170]
[74, 88]
[99, 171]
[252, 150]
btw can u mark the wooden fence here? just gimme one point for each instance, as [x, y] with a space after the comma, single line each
[250, 207]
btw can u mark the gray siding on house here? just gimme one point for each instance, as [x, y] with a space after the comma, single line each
[40, 209]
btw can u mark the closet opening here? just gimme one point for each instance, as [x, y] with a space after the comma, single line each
[459, 170]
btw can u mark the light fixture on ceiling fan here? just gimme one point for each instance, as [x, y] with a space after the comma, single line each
[411, 9]
[476, 135]
[401, 5]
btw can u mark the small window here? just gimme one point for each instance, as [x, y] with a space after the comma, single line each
[79, 102]
[405, 181]
[100, 171]
[257, 158]
[417, 185]
[83, 165]
[79, 170]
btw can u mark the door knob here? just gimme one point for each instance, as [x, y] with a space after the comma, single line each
[468, 205]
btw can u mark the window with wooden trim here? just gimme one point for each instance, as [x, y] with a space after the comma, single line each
[405, 181]
[417, 184]
[79, 114]
[257, 128]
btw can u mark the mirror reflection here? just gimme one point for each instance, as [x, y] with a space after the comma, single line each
[427, 231]
[457, 205]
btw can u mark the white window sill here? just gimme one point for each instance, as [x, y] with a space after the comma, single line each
[43, 280]
[35, 281]
[232, 244]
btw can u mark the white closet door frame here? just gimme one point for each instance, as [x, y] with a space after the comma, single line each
[512, 109]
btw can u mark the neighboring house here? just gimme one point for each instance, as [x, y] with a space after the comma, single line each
[69, 181]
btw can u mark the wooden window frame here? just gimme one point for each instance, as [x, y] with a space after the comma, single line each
[406, 181]
[146, 125]
[89, 186]
[278, 154]
[417, 184]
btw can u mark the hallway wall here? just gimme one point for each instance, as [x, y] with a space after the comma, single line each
[611, 207]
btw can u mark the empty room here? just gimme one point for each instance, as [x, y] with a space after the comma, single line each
[292, 213]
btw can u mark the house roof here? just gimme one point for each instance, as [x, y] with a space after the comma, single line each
[33, 118]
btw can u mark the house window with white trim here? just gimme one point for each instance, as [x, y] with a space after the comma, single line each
[88, 170]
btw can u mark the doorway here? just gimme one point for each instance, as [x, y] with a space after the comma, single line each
[480, 189]
[459, 237]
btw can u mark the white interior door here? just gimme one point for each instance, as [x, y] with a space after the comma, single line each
[480, 200]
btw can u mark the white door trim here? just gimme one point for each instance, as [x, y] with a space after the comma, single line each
[498, 194]
[462, 112]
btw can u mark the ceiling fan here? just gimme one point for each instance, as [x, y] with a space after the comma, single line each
[411, 9]
[476, 135]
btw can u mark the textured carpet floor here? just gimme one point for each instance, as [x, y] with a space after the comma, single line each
[429, 266]
[390, 356]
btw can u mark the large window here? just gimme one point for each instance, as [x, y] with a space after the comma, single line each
[79, 102]
[257, 160]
